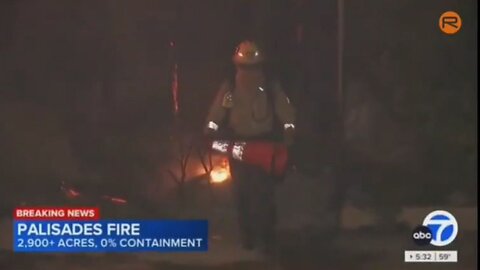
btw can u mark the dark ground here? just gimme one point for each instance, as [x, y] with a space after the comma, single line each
[306, 240]
[353, 250]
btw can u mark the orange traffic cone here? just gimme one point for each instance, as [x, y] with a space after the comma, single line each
[271, 157]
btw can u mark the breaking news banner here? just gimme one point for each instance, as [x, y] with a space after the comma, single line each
[80, 230]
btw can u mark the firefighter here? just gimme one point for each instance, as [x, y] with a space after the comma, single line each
[251, 106]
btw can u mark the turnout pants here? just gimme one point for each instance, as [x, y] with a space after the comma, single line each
[255, 202]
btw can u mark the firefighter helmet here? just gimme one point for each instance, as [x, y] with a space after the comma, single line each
[248, 53]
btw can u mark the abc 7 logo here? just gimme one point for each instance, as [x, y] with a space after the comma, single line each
[439, 229]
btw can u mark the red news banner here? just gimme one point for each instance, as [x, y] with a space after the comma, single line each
[56, 213]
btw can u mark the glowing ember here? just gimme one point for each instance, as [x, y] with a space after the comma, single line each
[220, 174]
[71, 193]
[115, 200]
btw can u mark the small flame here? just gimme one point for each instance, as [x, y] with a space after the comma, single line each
[220, 174]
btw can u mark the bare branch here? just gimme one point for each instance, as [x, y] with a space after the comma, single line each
[174, 177]
[184, 159]
[183, 177]
[187, 156]
[204, 165]
[180, 161]
[181, 147]
[210, 161]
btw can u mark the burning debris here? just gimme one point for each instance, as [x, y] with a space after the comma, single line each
[114, 200]
[69, 192]
[220, 174]
[73, 194]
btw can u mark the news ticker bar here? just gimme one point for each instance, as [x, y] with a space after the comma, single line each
[110, 236]
[431, 256]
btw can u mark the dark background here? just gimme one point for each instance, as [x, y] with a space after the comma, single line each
[85, 91]
[86, 99]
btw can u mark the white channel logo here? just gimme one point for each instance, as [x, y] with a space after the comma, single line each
[443, 225]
